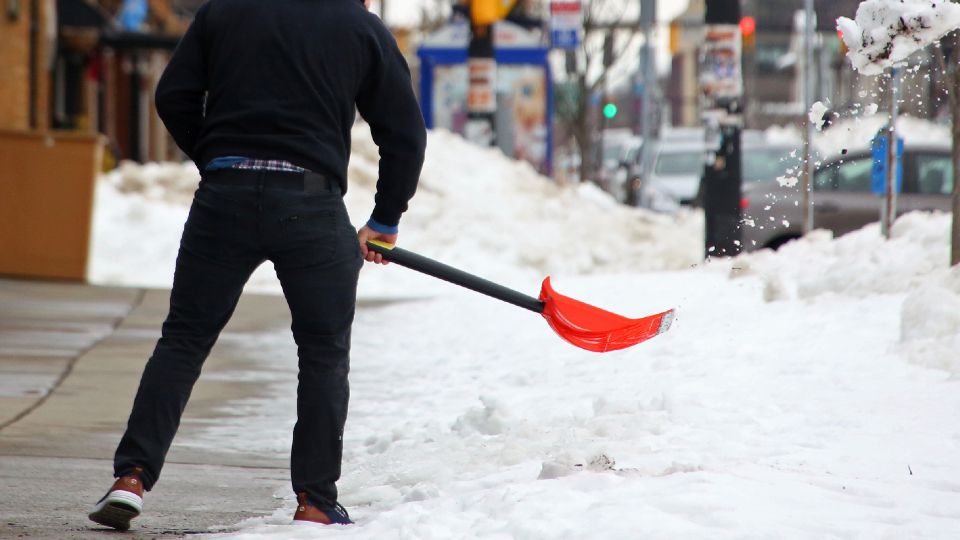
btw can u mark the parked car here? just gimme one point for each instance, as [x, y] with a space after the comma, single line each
[617, 151]
[842, 197]
[674, 175]
[679, 165]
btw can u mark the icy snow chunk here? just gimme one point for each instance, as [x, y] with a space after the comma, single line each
[817, 110]
[886, 32]
[787, 181]
[565, 466]
[487, 420]
[422, 492]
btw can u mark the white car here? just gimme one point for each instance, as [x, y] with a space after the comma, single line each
[674, 177]
[617, 152]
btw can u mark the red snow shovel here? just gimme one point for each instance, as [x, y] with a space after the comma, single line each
[581, 324]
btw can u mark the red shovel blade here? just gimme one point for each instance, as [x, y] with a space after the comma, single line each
[595, 329]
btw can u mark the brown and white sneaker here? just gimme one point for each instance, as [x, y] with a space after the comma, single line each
[327, 515]
[122, 503]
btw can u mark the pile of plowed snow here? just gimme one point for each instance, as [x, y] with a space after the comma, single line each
[475, 208]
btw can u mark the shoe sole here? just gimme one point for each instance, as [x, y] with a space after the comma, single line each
[117, 509]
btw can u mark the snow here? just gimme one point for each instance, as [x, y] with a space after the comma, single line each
[885, 32]
[817, 110]
[813, 392]
[855, 132]
[552, 229]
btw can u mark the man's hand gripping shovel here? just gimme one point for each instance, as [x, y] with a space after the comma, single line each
[583, 325]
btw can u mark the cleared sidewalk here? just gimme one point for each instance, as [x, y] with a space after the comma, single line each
[70, 360]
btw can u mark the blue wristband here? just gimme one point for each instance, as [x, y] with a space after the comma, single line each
[381, 228]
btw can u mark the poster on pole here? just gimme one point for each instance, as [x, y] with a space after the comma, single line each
[566, 21]
[721, 79]
[482, 85]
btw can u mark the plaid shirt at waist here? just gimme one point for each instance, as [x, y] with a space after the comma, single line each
[268, 165]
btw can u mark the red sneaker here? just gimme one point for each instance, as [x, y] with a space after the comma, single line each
[328, 515]
[122, 503]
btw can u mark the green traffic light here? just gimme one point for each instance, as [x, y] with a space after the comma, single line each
[609, 110]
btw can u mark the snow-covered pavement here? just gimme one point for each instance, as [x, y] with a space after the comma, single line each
[749, 419]
[808, 393]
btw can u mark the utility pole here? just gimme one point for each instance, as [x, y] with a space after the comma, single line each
[721, 83]
[648, 18]
[482, 74]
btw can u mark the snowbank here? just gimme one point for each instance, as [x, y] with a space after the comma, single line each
[886, 32]
[475, 208]
[914, 263]
[860, 263]
[930, 322]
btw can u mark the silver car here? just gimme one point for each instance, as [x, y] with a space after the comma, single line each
[842, 197]
[674, 177]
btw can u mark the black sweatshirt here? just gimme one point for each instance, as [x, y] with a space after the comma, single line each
[283, 79]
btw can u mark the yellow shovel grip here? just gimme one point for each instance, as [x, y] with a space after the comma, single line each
[381, 243]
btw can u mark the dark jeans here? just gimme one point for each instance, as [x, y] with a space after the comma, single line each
[239, 219]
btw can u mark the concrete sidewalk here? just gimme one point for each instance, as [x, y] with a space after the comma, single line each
[70, 361]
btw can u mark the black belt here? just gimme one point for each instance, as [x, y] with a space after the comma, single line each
[306, 181]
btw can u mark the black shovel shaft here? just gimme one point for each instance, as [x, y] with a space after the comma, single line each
[453, 275]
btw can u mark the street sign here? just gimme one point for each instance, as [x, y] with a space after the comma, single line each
[878, 175]
[565, 23]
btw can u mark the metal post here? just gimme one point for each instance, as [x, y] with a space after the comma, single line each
[648, 17]
[889, 210]
[809, 25]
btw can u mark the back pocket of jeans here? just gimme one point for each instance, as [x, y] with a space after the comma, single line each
[308, 236]
[212, 226]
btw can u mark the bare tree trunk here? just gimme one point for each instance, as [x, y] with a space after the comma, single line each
[583, 133]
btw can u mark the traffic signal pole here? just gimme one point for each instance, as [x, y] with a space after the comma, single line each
[722, 93]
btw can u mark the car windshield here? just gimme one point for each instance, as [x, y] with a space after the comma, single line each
[769, 163]
[687, 163]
